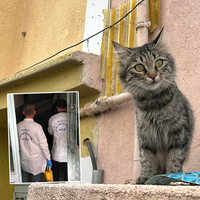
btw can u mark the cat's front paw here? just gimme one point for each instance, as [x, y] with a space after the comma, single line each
[141, 180]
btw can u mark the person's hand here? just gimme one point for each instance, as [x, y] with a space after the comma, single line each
[49, 163]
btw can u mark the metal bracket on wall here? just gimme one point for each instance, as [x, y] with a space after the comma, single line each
[142, 24]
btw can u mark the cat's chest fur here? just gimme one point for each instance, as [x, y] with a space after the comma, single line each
[153, 128]
[156, 116]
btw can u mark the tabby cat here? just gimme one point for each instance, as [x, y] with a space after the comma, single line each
[163, 115]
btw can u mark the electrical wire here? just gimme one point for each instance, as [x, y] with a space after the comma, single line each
[88, 37]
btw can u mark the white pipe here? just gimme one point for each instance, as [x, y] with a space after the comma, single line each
[142, 38]
[104, 103]
[109, 4]
[142, 23]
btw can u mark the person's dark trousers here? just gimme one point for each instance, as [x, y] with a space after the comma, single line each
[55, 170]
[25, 176]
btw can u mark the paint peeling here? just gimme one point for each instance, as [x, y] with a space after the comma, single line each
[123, 33]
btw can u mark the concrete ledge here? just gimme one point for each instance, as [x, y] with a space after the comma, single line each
[74, 71]
[38, 191]
[52, 66]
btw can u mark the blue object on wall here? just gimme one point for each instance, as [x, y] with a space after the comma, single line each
[166, 179]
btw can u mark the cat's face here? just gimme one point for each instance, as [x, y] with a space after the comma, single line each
[149, 67]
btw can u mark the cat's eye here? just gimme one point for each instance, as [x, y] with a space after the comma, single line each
[159, 63]
[139, 68]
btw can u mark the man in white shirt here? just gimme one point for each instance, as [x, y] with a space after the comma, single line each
[58, 128]
[34, 151]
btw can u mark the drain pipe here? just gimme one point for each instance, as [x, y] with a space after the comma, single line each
[97, 175]
[86, 142]
[142, 29]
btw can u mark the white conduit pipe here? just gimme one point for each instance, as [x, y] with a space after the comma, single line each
[104, 103]
[142, 28]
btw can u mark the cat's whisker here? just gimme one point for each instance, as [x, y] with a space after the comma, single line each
[135, 90]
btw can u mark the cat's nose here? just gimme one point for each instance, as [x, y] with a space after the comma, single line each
[153, 76]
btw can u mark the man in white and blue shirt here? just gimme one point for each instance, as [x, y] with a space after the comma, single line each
[58, 128]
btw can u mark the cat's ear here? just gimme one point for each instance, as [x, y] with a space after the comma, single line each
[158, 38]
[123, 52]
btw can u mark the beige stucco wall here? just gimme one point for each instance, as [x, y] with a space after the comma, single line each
[116, 143]
[115, 3]
[182, 33]
[50, 26]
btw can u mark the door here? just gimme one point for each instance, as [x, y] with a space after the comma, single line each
[73, 137]
[15, 167]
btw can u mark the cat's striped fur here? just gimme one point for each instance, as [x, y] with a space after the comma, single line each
[163, 115]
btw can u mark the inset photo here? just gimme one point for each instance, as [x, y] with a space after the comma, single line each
[44, 137]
